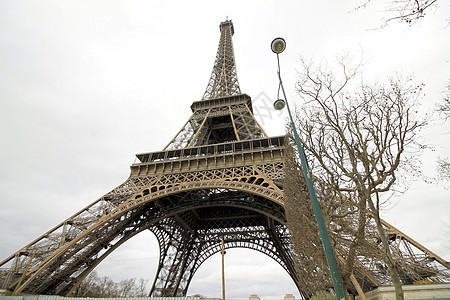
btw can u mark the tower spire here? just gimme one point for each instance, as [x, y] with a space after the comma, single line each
[223, 81]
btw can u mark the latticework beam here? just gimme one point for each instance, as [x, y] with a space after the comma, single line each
[223, 81]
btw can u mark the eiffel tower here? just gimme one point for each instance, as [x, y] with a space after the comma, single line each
[219, 179]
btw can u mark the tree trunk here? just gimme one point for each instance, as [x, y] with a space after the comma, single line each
[387, 254]
[356, 242]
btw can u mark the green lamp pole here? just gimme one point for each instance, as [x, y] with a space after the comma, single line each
[278, 46]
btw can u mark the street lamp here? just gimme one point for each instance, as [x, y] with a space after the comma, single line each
[279, 104]
[222, 246]
[278, 45]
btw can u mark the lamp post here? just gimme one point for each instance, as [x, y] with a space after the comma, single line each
[278, 45]
[223, 269]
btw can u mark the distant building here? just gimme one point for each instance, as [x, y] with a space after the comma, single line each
[289, 297]
[414, 291]
[254, 297]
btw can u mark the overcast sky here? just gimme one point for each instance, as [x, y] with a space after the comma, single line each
[85, 85]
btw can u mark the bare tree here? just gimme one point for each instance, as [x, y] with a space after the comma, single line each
[87, 285]
[128, 287]
[444, 110]
[444, 168]
[406, 11]
[142, 287]
[95, 286]
[106, 287]
[356, 143]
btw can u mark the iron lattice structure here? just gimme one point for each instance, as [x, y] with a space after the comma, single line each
[223, 81]
[220, 178]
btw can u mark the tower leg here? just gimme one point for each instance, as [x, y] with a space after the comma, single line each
[175, 250]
